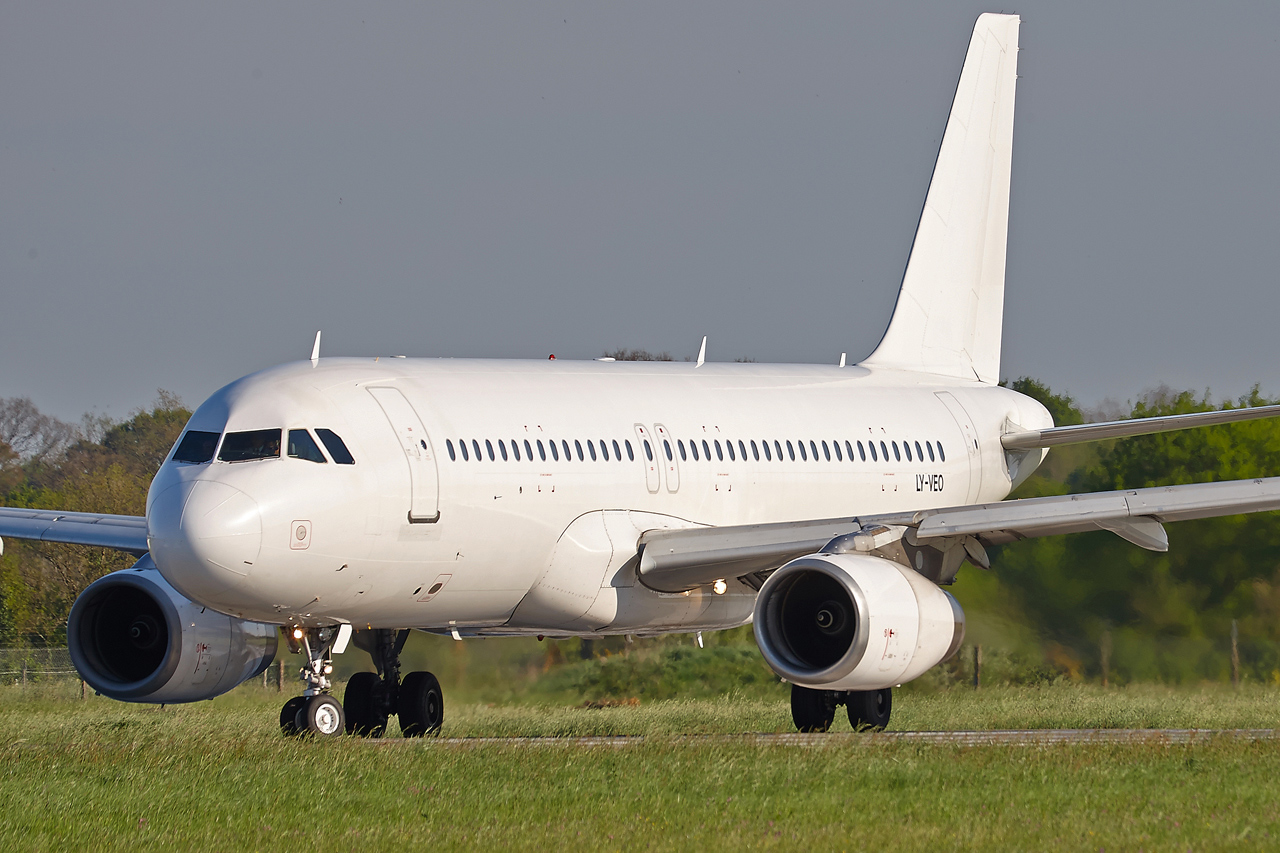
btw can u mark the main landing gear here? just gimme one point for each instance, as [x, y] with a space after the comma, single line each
[372, 698]
[815, 710]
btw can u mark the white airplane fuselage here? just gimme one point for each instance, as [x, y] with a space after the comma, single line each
[421, 533]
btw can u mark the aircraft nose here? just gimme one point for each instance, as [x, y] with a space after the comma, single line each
[205, 536]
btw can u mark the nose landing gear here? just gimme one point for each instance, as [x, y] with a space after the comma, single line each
[315, 712]
[372, 698]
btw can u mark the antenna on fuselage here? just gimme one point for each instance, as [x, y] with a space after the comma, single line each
[315, 351]
[702, 352]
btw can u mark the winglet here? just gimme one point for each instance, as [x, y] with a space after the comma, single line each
[315, 350]
[702, 352]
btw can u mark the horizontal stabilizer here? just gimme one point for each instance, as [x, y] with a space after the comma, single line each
[1078, 433]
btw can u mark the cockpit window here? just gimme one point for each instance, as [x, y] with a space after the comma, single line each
[247, 446]
[196, 447]
[337, 449]
[303, 446]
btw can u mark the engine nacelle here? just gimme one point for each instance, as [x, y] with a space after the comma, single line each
[133, 637]
[854, 622]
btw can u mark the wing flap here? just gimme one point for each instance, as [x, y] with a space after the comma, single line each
[119, 532]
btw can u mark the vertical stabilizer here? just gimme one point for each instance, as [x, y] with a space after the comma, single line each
[951, 305]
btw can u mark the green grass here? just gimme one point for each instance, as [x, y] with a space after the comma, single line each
[217, 775]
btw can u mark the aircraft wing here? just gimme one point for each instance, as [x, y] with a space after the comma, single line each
[678, 560]
[121, 532]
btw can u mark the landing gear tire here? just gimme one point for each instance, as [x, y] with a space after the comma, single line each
[289, 715]
[812, 710]
[320, 716]
[869, 709]
[421, 705]
[362, 705]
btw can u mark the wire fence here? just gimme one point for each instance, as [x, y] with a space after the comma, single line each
[27, 665]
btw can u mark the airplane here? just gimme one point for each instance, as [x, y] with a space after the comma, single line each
[341, 501]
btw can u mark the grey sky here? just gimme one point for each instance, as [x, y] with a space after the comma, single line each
[188, 191]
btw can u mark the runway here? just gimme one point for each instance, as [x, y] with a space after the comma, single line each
[1009, 737]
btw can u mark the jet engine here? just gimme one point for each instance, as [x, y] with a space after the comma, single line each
[133, 637]
[854, 622]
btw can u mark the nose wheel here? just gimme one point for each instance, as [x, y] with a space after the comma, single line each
[315, 712]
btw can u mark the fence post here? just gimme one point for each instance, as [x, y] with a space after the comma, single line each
[1106, 657]
[280, 676]
[24, 673]
[977, 666]
[82, 688]
[1235, 655]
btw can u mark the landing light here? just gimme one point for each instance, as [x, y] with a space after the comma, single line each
[297, 633]
[720, 587]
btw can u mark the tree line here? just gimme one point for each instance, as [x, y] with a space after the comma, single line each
[1062, 600]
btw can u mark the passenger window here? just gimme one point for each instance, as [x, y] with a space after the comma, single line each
[515, 448]
[742, 450]
[462, 445]
[848, 448]
[196, 447]
[617, 454]
[906, 445]
[489, 446]
[577, 446]
[648, 451]
[755, 451]
[804, 454]
[825, 452]
[693, 448]
[862, 454]
[768, 457]
[604, 449]
[835, 445]
[555, 451]
[248, 446]
[631, 456]
[542, 452]
[303, 446]
[680, 445]
[666, 447]
[872, 445]
[942, 456]
[448, 443]
[778, 447]
[475, 446]
[502, 449]
[919, 453]
[814, 448]
[791, 451]
[591, 449]
[568, 455]
[896, 455]
[706, 450]
[729, 446]
[929, 447]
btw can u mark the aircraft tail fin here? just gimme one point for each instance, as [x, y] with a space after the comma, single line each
[951, 306]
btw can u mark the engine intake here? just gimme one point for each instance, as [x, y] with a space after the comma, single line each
[133, 637]
[854, 622]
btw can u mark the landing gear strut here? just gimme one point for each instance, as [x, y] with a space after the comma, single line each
[372, 698]
[315, 712]
[815, 710]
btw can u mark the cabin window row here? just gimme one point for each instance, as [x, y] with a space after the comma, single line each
[551, 449]
[698, 450]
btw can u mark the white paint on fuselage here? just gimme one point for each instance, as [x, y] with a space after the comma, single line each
[500, 521]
